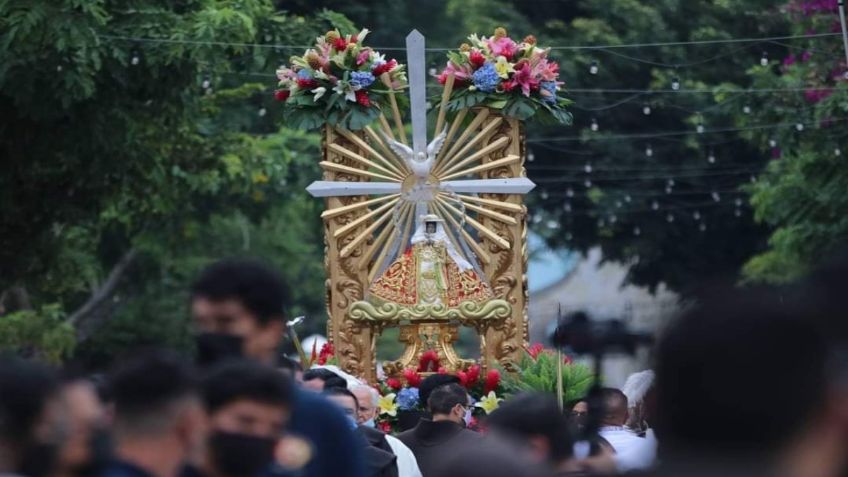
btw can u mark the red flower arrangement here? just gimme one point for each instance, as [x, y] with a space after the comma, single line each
[413, 379]
[327, 352]
[429, 362]
[394, 383]
[493, 379]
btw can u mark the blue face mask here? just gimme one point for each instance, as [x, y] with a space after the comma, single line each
[370, 423]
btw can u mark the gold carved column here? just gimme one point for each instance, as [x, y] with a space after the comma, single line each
[346, 282]
[507, 269]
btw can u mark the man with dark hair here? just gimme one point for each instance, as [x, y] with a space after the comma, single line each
[290, 368]
[409, 419]
[741, 389]
[379, 458]
[30, 418]
[248, 405]
[631, 451]
[158, 417]
[238, 308]
[86, 447]
[450, 408]
[535, 421]
[320, 379]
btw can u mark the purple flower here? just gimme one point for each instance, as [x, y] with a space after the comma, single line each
[362, 79]
[806, 55]
[789, 60]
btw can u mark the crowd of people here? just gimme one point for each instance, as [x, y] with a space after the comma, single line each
[745, 382]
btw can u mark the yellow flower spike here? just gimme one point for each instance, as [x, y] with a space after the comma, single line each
[387, 405]
[503, 67]
[489, 403]
[332, 36]
[500, 32]
[465, 47]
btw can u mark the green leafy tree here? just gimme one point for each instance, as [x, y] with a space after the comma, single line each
[116, 147]
[802, 193]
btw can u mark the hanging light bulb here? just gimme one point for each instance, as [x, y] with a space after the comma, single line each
[567, 207]
[569, 192]
[799, 127]
[627, 198]
[135, 60]
[207, 82]
[711, 158]
[637, 231]
[613, 219]
[593, 67]
[675, 83]
[649, 151]
[594, 125]
[746, 109]
[737, 212]
[588, 168]
[432, 71]
[59, 68]
[618, 204]
[702, 227]
[668, 190]
[553, 224]
[696, 215]
[772, 142]
[655, 205]
[753, 178]
[837, 152]
[530, 156]
[716, 196]
[646, 109]
[738, 202]
[700, 127]
[587, 183]
[537, 218]
[262, 112]
[544, 195]
[670, 182]
[669, 218]
[764, 61]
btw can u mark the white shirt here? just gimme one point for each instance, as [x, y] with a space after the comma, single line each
[631, 451]
[406, 463]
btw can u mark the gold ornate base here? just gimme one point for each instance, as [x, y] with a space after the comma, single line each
[422, 337]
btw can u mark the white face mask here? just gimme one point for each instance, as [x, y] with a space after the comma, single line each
[369, 423]
[467, 416]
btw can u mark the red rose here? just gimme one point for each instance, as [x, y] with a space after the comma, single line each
[362, 98]
[394, 383]
[384, 68]
[473, 374]
[413, 379]
[463, 378]
[340, 44]
[385, 427]
[493, 379]
[306, 83]
[282, 94]
[477, 59]
[508, 85]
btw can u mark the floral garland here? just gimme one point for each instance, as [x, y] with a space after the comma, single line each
[340, 82]
[515, 77]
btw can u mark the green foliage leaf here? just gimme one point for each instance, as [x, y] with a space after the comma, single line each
[42, 334]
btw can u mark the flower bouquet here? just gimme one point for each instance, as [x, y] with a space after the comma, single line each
[400, 395]
[340, 82]
[516, 78]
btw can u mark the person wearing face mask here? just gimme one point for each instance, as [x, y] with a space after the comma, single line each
[237, 310]
[432, 438]
[31, 420]
[247, 406]
[159, 420]
[379, 459]
[368, 399]
[87, 446]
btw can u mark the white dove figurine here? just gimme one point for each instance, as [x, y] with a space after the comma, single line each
[420, 164]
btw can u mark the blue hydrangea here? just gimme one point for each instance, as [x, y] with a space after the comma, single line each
[362, 79]
[486, 78]
[550, 87]
[304, 74]
[407, 399]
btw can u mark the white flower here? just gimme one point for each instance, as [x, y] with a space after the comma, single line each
[362, 34]
[318, 92]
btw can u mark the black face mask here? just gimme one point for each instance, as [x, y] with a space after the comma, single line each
[216, 347]
[38, 459]
[100, 450]
[241, 455]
